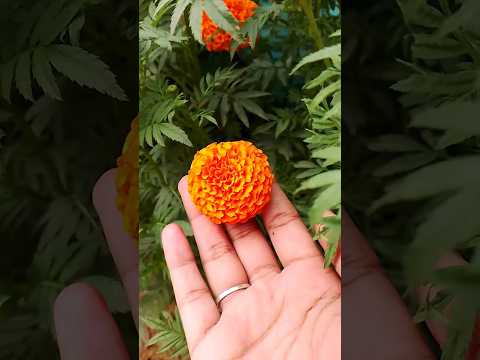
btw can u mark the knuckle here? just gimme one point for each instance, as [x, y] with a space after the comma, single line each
[193, 296]
[263, 271]
[282, 219]
[242, 231]
[218, 250]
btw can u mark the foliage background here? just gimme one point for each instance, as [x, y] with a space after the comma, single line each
[411, 149]
[63, 119]
[283, 95]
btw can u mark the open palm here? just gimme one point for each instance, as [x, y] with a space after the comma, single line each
[290, 311]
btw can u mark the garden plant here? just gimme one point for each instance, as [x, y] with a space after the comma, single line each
[221, 71]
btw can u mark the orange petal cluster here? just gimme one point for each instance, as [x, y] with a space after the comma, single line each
[127, 181]
[216, 39]
[230, 182]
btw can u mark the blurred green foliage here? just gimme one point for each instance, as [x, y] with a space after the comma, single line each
[411, 149]
[63, 118]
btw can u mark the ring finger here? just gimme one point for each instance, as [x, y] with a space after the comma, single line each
[219, 259]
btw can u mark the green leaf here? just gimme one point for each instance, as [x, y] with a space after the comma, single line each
[441, 177]
[305, 164]
[461, 117]
[332, 235]
[7, 72]
[468, 14]
[418, 12]
[45, 23]
[62, 20]
[175, 133]
[451, 137]
[253, 108]
[322, 54]
[250, 94]
[282, 125]
[196, 20]
[23, 75]
[395, 143]
[322, 78]
[405, 163]
[325, 93]
[221, 16]
[42, 72]
[112, 292]
[242, 115]
[327, 199]
[336, 33]
[332, 154]
[177, 13]
[435, 235]
[85, 69]
[3, 299]
[74, 29]
[320, 180]
[431, 47]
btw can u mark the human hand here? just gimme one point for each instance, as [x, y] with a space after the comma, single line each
[85, 328]
[290, 311]
[376, 321]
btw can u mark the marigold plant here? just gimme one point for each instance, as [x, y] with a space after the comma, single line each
[216, 39]
[230, 182]
[127, 181]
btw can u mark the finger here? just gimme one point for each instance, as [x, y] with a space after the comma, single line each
[337, 257]
[123, 248]
[370, 302]
[253, 250]
[289, 235]
[219, 259]
[194, 300]
[84, 327]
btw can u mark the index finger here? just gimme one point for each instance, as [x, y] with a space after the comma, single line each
[122, 246]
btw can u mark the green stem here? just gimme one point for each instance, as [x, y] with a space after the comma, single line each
[307, 7]
[445, 7]
[193, 53]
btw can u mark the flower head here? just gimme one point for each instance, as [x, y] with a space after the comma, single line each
[216, 39]
[127, 181]
[230, 182]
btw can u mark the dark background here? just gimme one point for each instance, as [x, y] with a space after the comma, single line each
[69, 90]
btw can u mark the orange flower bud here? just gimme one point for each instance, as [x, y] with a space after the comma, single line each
[230, 182]
[127, 181]
[216, 39]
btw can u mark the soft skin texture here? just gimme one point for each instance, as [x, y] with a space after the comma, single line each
[290, 311]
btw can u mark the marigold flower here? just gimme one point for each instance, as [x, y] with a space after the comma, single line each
[230, 182]
[127, 181]
[216, 39]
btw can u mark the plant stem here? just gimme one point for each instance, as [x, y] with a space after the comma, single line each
[315, 32]
[445, 7]
[193, 52]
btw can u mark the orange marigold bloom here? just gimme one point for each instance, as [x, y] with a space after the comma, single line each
[127, 181]
[216, 39]
[230, 182]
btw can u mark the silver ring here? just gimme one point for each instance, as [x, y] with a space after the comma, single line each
[229, 291]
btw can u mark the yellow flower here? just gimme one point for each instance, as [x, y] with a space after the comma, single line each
[127, 181]
[230, 182]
